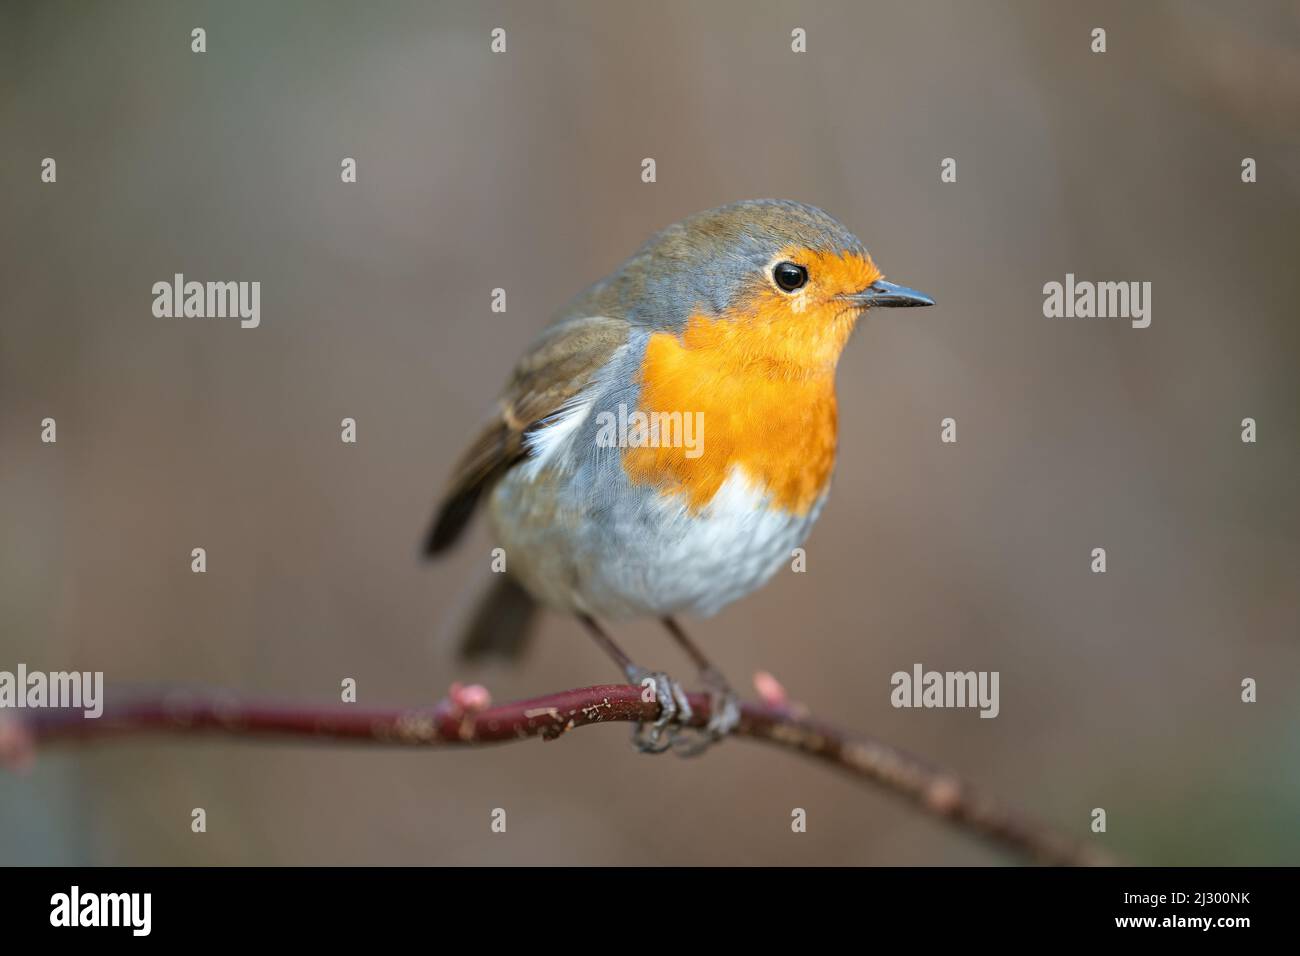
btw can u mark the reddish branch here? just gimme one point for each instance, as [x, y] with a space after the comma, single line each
[465, 720]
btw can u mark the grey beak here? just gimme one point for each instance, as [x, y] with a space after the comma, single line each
[885, 293]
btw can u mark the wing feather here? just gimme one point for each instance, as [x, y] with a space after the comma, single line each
[558, 366]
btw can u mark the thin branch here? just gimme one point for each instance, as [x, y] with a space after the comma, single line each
[462, 721]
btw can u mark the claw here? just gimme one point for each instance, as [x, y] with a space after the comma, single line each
[724, 715]
[674, 712]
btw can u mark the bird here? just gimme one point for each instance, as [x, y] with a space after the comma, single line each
[668, 441]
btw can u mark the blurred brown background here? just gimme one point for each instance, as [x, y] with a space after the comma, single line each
[522, 171]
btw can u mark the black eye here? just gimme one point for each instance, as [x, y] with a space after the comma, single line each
[789, 276]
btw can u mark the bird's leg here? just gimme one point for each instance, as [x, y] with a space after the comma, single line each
[724, 705]
[674, 708]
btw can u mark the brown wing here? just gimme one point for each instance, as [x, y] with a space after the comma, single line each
[557, 367]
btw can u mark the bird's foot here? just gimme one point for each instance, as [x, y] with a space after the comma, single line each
[724, 715]
[674, 710]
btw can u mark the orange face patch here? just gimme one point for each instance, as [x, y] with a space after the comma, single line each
[762, 378]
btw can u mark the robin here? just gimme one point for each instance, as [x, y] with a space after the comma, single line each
[669, 440]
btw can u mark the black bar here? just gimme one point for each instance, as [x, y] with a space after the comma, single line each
[213, 905]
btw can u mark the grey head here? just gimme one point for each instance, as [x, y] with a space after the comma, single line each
[702, 263]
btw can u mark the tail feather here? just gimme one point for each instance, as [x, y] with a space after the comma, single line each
[502, 622]
[451, 519]
[493, 454]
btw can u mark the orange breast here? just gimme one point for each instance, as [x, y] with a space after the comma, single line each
[773, 418]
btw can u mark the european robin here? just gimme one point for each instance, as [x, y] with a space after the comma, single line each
[669, 440]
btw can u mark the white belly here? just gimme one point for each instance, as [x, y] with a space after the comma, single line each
[645, 555]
